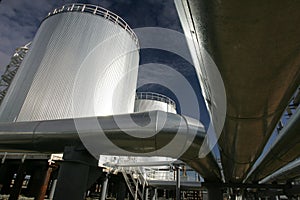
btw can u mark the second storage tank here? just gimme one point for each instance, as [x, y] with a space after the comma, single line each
[149, 101]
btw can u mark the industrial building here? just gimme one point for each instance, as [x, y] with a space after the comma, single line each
[72, 90]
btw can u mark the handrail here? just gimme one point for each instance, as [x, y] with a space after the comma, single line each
[156, 174]
[96, 10]
[290, 110]
[155, 96]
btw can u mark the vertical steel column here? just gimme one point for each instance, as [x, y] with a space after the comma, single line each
[147, 194]
[104, 187]
[155, 194]
[177, 182]
[51, 195]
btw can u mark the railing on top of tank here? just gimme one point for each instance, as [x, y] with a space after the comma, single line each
[96, 10]
[155, 96]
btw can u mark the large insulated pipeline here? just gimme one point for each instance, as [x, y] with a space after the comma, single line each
[127, 132]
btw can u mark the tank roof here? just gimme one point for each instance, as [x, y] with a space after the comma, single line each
[96, 10]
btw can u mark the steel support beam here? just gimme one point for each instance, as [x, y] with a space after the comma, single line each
[52, 190]
[104, 187]
[177, 182]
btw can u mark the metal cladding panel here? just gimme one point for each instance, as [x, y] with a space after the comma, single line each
[143, 105]
[79, 65]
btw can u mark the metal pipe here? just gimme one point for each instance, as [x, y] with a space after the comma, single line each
[284, 150]
[288, 172]
[52, 136]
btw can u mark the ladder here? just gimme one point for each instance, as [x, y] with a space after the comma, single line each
[135, 182]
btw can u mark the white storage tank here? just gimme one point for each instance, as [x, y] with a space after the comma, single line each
[149, 101]
[82, 62]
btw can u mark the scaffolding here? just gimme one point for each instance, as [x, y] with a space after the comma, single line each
[11, 69]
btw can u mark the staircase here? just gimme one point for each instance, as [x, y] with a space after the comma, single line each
[135, 182]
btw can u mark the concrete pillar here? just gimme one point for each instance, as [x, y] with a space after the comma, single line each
[71, 183]
[74, 173]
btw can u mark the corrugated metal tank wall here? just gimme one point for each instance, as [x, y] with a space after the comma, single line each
[79, 65]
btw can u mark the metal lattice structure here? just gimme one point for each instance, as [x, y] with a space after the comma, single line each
[11, 69]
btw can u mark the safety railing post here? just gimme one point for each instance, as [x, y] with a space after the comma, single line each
[95, 11]
[83, 7]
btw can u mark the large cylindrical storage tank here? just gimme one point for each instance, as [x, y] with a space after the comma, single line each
[149, 101]
[83, 62]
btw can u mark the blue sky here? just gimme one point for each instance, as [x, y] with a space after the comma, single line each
[19, 21]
